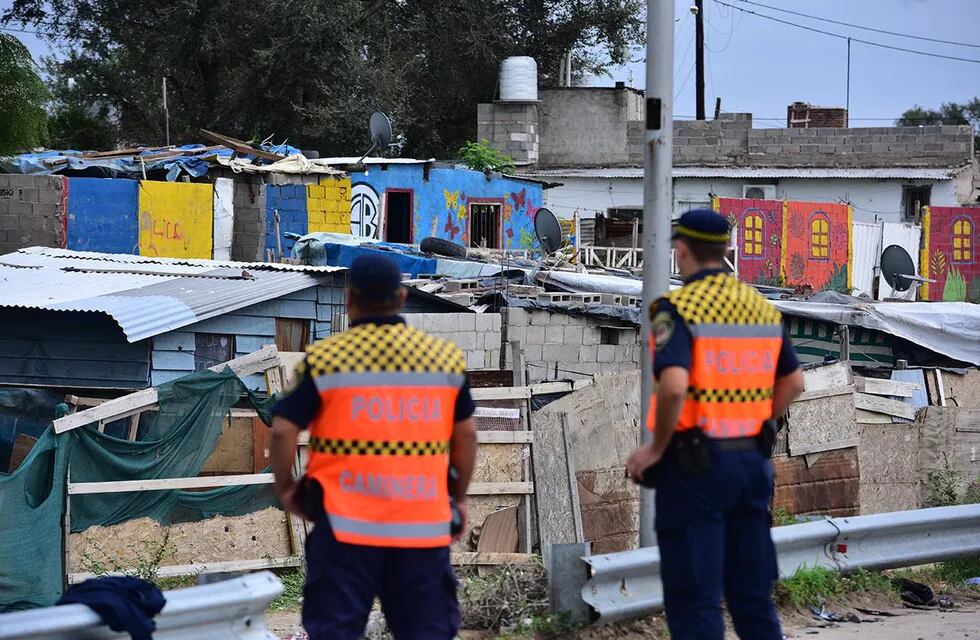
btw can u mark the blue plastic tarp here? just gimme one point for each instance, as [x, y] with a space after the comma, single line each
[313, 249]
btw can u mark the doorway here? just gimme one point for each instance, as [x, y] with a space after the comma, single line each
[398, 216]
[485, 225]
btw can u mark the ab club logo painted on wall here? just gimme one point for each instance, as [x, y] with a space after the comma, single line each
[364, 207]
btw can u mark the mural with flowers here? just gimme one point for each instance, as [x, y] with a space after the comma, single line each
[950, 239]
[816, 245]
[759, 225]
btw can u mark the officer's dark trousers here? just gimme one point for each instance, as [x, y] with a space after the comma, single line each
[713, 533]
[416, 587]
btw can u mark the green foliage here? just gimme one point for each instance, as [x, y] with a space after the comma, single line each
[838, 280]
[23, 120]
[292, 595]
[954, 572]
[948, 113]
[313, 71]
[148, 558]
[480, 156]
[781, 517]
[812, 586]
[941, 488]
[955, 288]
[71, 127]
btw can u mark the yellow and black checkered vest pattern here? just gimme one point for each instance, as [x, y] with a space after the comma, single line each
[379, 445]
[736, 339]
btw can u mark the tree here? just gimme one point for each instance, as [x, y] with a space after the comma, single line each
[480, 156]
[23, 119]
[313, 71]
[948, 113]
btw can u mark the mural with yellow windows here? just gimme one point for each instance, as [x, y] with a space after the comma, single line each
[816, 247]
[759, 226]
[949, 254]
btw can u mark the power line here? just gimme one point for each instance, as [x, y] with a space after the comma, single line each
[842, 37]
[857, 26]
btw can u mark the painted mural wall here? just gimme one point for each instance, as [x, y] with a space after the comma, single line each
[102, 215]
[951, 236]
[306, 208]
[443, 204]
[760, 232]
[176, 219]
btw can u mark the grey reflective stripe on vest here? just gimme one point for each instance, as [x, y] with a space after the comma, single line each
[388, 530]
[725, 330]
[350, 379]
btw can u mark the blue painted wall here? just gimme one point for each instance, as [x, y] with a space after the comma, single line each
[441, 202]
[102, 215]
[290, 201]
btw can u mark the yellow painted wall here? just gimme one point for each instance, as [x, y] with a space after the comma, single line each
[328, 205]
[175, 219]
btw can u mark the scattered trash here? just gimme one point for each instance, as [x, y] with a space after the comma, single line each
[914, 594]
[824, 614]
[973, 580]
[876, 612]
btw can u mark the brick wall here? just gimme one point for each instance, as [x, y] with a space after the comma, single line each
[801, 115]
[477, 334]
[829, 486]
[573, 344]
[249, 238]
[328, 205]
[32, 211]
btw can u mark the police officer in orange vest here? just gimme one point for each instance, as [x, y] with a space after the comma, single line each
[724, 368]
[389, 414]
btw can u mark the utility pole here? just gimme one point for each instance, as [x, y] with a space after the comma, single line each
[699, 57]
[166, 114]
[847, 104]
[657, 203]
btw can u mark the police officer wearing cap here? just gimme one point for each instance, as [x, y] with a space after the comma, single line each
[391, 452]
[723, 369]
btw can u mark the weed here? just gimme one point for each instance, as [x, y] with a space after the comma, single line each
[503, 596]
[147, 560]
[941, 488]
[292, 595]
[480, 156]
[782, 517]
[812, 586]
[544, 627]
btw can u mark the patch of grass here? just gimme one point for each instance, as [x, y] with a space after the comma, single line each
[292, 595]
[954, 572]
[175, 582]
[811, 586]
[781, 517]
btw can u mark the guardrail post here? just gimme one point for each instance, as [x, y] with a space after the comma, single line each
[567, 574]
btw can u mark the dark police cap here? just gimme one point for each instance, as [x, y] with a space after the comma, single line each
[374, 277]
[704, 225]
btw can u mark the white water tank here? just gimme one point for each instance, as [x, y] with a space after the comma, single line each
[519, 79]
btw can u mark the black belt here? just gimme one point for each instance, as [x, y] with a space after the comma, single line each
[736, 444]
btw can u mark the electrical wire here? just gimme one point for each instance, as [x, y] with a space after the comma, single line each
[843, 37]
[857, 26]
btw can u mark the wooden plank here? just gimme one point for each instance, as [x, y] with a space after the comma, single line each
[260, 360]
[505, 437]
[240, 146]
[824, 393]
[883, 405]
[501, 393]
[134, 425]
[470, 558]
[572, 480]
[499, 532]
[160, 484]
[550, 387]
[880, 387]
[870, 417]
[825, 446]
[260, 434]
[500, 488]
[497, 412]
[176, 570]
[524, 531]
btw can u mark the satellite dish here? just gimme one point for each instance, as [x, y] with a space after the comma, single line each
[548, 230]
[380, 127]
[897, 268]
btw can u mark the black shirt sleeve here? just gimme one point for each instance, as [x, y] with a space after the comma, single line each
[671, 338]
[301, 404]
[465, 407]
[788, 362]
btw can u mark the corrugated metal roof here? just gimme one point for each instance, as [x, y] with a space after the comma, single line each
[881, 173]
[145, 296]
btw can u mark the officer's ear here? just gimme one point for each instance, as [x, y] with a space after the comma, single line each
[401, 296]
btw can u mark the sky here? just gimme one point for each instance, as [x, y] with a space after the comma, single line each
[760, 66]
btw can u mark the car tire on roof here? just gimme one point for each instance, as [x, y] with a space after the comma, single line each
[442, 247]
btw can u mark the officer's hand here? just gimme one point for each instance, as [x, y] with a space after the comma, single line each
[289, 497]
[463, 519]
[642, 459]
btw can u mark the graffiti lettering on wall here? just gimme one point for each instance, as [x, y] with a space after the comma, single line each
[949, 254]
[175, 219]
[364, 211]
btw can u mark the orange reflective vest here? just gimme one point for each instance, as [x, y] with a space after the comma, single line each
[736, 336]
[379, 445]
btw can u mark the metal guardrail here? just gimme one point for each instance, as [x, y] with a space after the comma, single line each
[230, 610]
[627, 585]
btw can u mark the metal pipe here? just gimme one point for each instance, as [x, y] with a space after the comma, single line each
[657, 203]
[166, 114]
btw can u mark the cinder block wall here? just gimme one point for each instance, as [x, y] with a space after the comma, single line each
[477, 334]
[32, 211]
[511, 128]
[577, 345]
[249, 237]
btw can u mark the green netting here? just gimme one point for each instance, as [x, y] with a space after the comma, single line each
[174, 444]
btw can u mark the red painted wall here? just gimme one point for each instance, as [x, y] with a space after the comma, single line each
[949, 255]
[816, 245]
[759, 250]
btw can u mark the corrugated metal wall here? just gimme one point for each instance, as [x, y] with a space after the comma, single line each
[866, 245]
[66, 349]
[906, 236]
